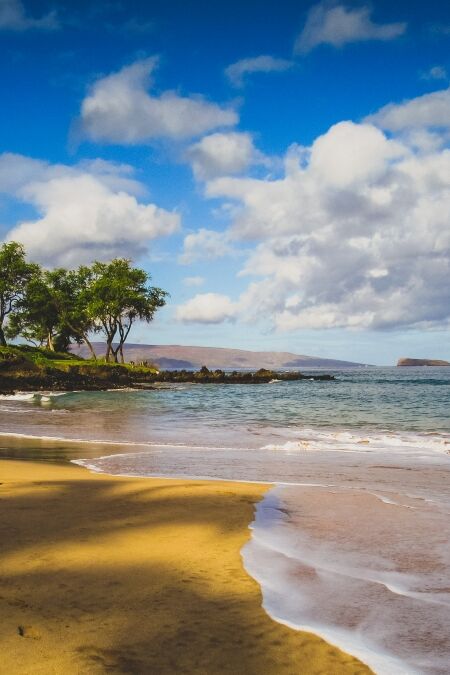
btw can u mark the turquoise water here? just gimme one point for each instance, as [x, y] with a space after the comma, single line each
[395, 399]
[392, 398]
[353, 540]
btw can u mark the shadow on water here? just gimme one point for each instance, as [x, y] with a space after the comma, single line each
[57, 451]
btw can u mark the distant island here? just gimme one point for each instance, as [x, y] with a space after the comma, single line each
[175, 357]
[422, 362]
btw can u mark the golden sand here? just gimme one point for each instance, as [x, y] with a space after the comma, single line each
[104, 574]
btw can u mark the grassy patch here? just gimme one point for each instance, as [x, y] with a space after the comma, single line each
[44, 358]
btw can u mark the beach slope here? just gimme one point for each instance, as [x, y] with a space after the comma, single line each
[105, 574]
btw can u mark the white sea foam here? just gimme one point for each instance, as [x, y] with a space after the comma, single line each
[19, 396]
[359, 441]
[334, 567]
[33, 395]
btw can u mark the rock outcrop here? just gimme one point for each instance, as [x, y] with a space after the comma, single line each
[31, 369]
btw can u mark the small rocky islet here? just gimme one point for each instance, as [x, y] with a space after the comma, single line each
[421, 362]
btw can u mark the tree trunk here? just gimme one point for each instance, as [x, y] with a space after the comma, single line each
[2, 338]
[123, 333]
[90, 347]
[50, 344]
[110, 351]
[114, 353]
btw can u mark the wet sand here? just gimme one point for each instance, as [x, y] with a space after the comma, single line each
[105, 574]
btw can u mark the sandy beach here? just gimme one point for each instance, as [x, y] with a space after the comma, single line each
[122, 575]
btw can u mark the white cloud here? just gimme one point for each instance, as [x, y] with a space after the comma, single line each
[338, 25]
[429, 110]
[435, 73]
[222, 154]
[351, 153]
[119, 109]
[83, 214]
[194, 281]
[205, 245]
[207, 308]
[14, 17]
[236, 72]
[354, 234]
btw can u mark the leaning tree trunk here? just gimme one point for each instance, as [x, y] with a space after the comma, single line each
[90, 347]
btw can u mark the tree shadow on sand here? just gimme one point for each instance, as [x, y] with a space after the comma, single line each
[119, 576]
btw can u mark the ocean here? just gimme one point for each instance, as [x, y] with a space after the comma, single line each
[351, 541]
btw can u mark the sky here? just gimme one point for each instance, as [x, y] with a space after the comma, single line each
[281, 168]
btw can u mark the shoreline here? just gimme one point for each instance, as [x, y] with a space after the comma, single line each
[115, 574]
[30, 369]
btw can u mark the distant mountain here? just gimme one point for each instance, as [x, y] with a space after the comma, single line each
[176, 357]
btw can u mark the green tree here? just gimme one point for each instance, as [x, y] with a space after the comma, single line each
[53, 310]
[70, 290]
[120, 294]
[15, 274]
[36, 316]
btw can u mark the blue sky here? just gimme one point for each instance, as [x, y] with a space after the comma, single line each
[281, 168]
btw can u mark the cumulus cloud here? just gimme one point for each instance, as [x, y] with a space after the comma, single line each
[83, 212]
[222, 154]
[354, 234]
[120, 109]
[237, 71]
[14, 17]
[205, 245]
[350, 153]
[338, 25]
[207, 308]
[429, 110]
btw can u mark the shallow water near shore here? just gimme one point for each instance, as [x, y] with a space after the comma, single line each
[353, 543]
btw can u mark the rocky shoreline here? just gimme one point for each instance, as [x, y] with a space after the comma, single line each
[22, 371]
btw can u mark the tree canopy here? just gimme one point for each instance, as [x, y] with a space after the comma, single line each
[118, 294]
[57, 307]
[15, 274]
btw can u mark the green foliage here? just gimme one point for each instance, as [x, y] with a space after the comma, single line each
[15, 274]
[57, 307]
[61, 361]
[36, 316]
[119, 294]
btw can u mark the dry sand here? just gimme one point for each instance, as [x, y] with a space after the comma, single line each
[125, 575]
